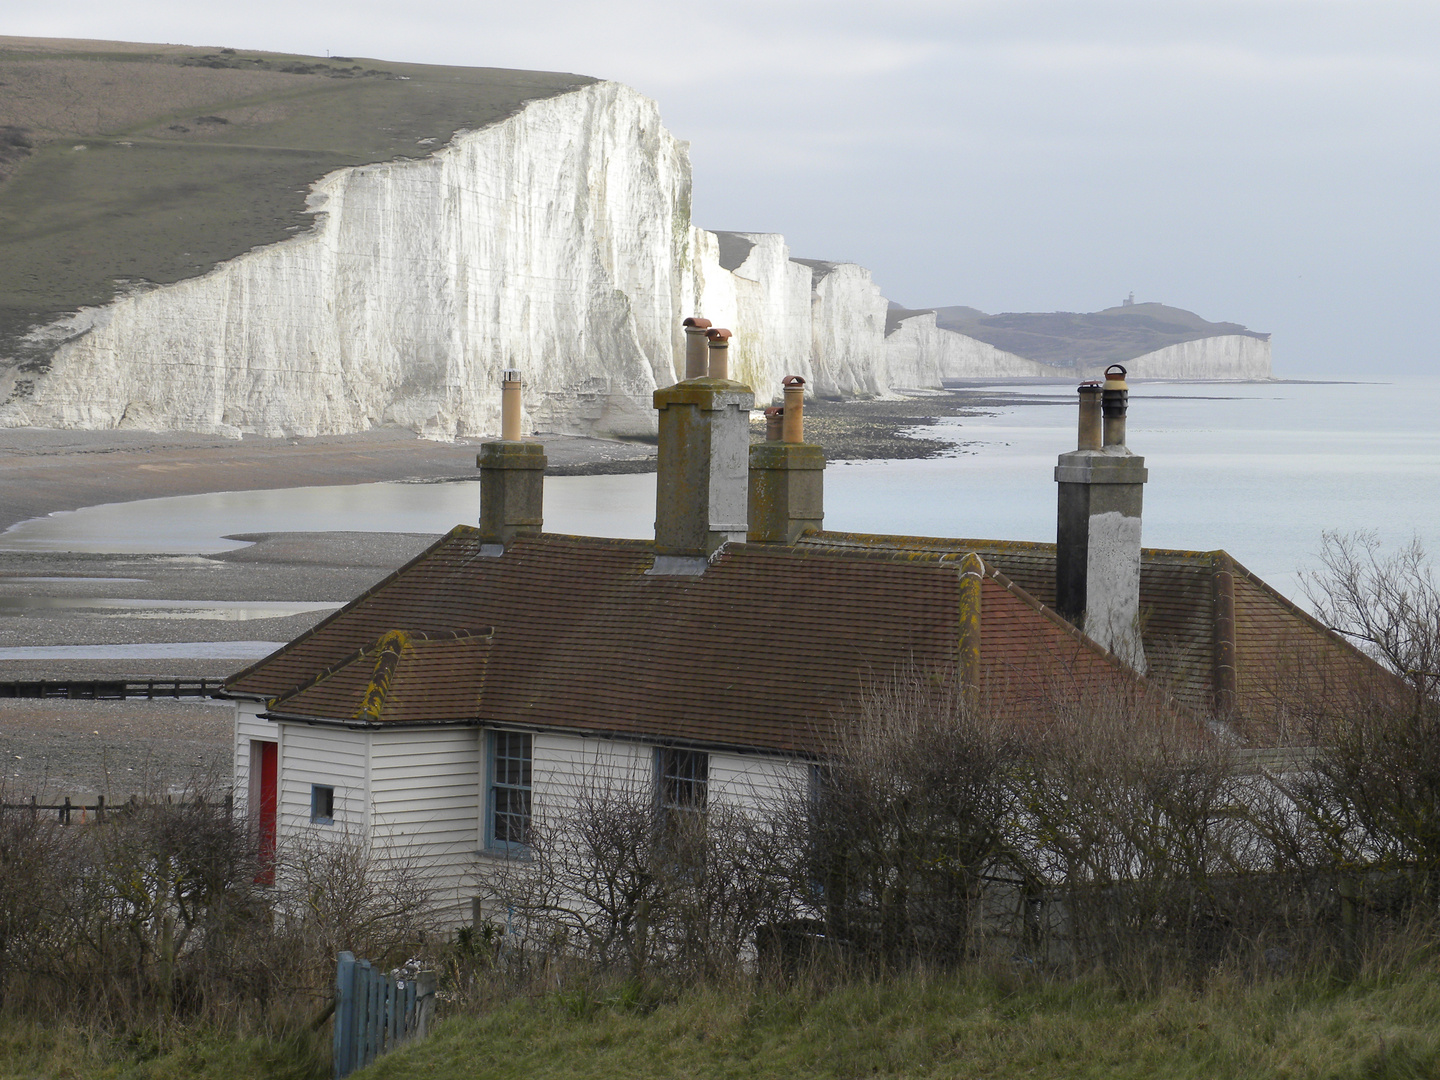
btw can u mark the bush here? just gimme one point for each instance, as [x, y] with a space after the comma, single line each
[154, 917]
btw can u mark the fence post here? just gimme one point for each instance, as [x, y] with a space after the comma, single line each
[393, 995]
[406, 1010]
[364, 999]
[100, 810]
[425, 1002]
[65, 812]
[344, 1015]
[376, 1044]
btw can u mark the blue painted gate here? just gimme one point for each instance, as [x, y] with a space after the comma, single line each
[376, 1012]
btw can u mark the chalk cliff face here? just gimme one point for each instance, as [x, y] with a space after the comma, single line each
[1228, 356]
[822, 321]
[557, 241]
[748, 283]
[552, 242]
[920, 354]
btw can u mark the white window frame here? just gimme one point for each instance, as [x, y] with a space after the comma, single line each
[678, 772]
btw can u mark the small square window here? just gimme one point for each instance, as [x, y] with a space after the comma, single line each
[322, 804]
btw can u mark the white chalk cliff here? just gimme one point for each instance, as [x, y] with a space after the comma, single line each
[557, 241]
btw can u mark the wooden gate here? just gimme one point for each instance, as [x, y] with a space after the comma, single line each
[375, 1012]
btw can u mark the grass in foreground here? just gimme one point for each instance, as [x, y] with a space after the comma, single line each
[960, 1026]
[66, 1051]
[968, 1025]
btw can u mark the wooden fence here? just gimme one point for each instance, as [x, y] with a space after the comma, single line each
[375, 1012]
[111, 689]
[95, 813]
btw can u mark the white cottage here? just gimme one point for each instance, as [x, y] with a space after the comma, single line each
[477, 687]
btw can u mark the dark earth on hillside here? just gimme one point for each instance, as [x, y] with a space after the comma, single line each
[126, 166]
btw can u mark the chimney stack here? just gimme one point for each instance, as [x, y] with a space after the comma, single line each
[697, 363]
[701, 482]
[512, 476]
[1097, 549]
[787, 478]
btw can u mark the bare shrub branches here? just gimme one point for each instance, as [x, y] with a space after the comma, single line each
[1375, 792]
[909, 812]
[1389, 603]
[617, 882]
[156, 915]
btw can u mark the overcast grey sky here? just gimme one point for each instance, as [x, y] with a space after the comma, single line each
[1270, 162]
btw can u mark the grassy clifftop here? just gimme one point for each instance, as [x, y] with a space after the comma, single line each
[126, 164]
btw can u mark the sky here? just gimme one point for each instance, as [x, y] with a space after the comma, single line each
[1267, 162]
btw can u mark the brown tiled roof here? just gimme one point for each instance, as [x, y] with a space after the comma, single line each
[404, 677]
[1275, 639]
[764, 650]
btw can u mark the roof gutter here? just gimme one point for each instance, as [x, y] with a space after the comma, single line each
[584, 733]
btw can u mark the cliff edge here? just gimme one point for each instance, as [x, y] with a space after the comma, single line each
[308, 247]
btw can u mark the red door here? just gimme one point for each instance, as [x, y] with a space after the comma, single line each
[269, 768]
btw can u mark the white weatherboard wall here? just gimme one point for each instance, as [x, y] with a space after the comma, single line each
[758, 785]
[248, 726]
[332, 757]
[567, 767]
[424, 792]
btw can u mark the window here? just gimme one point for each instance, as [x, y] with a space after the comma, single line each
[684, 776]
[508, 806]
[322, 804]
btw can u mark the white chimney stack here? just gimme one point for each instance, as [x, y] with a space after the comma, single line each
[1097, 544]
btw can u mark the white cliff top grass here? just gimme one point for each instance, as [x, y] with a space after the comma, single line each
[129, 164]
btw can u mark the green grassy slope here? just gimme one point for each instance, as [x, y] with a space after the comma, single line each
[965, 1026]
[1112, 336]
[999, 1026]
[150, 164]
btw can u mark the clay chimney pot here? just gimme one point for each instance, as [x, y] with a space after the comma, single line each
[719, 367]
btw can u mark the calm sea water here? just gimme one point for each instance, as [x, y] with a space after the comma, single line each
[1261, 470]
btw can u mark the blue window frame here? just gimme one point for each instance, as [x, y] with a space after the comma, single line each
[507, 803]
[322, 804]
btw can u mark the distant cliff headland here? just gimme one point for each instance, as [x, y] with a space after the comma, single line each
[223, 241]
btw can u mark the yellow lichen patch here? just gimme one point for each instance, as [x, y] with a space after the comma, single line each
[389, 648]
[972, 570]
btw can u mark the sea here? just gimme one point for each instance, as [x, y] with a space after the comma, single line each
[1263, 470]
